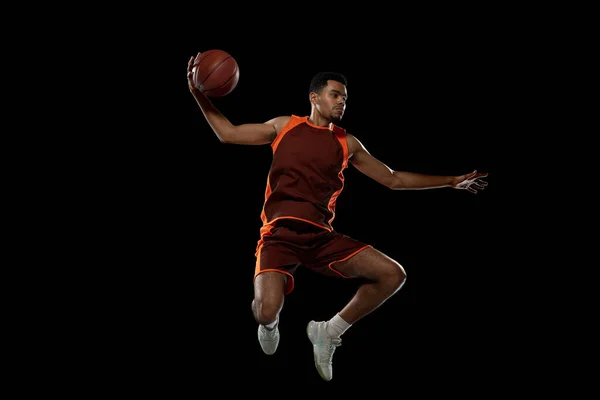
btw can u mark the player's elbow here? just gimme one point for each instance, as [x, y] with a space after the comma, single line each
[396, 183]
[224, 140]
[225, 137]
[226, 133]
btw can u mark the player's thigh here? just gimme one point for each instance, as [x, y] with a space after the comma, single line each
[371, 264]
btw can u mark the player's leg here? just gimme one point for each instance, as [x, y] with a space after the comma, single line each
[384, 277]
[269, 293]
[277, 257]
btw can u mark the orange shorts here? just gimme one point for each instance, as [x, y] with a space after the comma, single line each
[289, 244]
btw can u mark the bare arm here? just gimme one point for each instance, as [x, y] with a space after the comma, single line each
[378, 171]
[254, 134]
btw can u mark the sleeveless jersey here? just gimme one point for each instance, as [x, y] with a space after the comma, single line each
[306, 174]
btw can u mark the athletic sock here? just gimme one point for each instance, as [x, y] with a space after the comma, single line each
[336, 326]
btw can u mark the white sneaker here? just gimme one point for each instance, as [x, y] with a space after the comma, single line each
[268, 339]
[323, 347]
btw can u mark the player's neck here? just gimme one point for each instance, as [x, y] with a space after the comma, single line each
[317, 119]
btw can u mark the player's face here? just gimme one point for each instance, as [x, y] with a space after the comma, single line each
[332, 101]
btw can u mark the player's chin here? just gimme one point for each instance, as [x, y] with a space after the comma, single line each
[336, 116]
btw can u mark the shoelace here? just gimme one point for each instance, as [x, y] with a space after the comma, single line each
[268, 334]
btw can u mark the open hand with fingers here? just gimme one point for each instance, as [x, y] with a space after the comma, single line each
[471, 182]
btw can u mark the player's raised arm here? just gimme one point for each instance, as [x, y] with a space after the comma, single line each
[378, 171]
[254, 134]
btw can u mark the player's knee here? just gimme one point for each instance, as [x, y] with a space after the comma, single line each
[395, 276]
[265, 312]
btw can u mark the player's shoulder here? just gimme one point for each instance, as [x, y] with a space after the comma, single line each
[351, 138]
[353, 143]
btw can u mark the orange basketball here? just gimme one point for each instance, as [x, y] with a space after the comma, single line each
[215, 73]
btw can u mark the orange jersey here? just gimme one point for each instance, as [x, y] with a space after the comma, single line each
[306, 175]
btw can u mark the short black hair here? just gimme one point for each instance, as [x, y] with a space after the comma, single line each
[319, 81]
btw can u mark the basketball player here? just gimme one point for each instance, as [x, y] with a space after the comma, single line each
[310, 154]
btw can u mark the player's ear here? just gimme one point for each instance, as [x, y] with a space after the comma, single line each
[313, 97]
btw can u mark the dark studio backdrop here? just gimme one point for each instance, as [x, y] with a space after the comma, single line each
[184, 209]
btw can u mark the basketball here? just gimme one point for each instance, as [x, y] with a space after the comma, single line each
[215, 73]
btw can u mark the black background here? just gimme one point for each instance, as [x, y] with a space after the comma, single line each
[182, 210]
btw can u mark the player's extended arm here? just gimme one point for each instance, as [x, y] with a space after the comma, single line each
[375, 169]
[227, 132]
